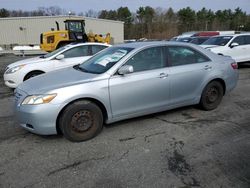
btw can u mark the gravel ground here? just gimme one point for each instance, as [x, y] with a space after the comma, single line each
[181, 148]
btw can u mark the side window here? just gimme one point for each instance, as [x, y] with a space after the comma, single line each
[97, 48]
[76, 52]
[148, 59]
[240, 40]
[247, 39]
[178, 55]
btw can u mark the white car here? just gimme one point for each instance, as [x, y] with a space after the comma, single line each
[66, 56]
[237, 46]
[1, 50]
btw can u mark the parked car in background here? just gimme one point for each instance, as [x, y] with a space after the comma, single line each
[194, 40]
[184, 39]
[66, 56]
[198, 40]
[121, 82]
[206, 34]
[237, 46]
[183, 35]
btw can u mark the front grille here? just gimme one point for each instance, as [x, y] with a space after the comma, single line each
[17, 96]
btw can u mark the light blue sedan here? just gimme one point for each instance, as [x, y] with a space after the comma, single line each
[122, 82]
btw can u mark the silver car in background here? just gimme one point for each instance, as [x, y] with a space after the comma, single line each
[121, 82]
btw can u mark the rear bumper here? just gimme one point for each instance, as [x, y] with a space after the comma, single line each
[232, 81]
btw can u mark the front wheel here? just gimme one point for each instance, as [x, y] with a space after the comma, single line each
[211, 95]
[81, 121]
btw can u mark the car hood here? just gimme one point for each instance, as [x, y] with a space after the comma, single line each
[27, 61]
[55, 79]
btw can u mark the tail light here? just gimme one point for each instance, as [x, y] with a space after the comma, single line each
[234, 65]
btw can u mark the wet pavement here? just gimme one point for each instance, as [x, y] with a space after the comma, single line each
[180, 148]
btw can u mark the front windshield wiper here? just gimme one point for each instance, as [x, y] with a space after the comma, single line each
[43, 56]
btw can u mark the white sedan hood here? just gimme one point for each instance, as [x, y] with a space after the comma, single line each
[27, 61]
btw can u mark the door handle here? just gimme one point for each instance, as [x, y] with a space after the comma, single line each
[208, 67]
[163, 75]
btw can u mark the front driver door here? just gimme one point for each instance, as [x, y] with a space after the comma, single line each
[145, 90]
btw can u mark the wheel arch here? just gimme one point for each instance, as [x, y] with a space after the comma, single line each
[32, 71]
[221, 81]
[97, 102]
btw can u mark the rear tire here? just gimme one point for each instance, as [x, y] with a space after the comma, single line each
[81, 121]
[211, 95]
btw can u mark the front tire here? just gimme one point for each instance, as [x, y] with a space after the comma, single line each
[81, 121]
[211, 96]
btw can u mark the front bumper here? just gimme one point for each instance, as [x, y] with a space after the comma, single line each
[39, 119]
[12, 80]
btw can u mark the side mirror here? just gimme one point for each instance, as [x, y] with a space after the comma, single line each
[126, 69]
[234, 44]
[59, 57]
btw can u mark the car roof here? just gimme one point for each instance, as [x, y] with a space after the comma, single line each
[86, 43]
[154, 43]
[233, 35]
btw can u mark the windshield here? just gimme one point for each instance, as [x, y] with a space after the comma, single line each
[104, 60]
[220, 41]
[54, 52]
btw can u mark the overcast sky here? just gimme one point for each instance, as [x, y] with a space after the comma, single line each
[97, 5]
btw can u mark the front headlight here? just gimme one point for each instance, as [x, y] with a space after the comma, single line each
[14, 69]
[38, 99]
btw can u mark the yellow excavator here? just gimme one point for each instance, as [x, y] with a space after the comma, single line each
[74, 32]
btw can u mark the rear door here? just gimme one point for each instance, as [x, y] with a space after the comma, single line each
[146, 89]
[189, 69]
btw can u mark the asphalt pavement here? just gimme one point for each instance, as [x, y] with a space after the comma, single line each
[180, 148]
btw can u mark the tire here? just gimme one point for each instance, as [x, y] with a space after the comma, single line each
[211, 96]
[32, 74]
[81, 121]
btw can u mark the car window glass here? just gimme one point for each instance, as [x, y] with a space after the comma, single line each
[247, 39]
[104, 60]
[54, 52]
[76, 52]
[240, 40]
[97, 48]
[220, 41]
[148, 59]
[178, 55]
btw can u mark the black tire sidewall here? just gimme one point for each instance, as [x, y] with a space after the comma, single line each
[68, 114]
[211, 106]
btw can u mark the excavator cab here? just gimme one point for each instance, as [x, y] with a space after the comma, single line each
[76, 29]
[74, 32]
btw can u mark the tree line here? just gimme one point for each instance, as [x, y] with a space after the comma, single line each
[155, 23]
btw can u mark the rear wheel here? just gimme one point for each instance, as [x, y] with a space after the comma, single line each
[81, 121]
[32, 74]
[211, 95]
